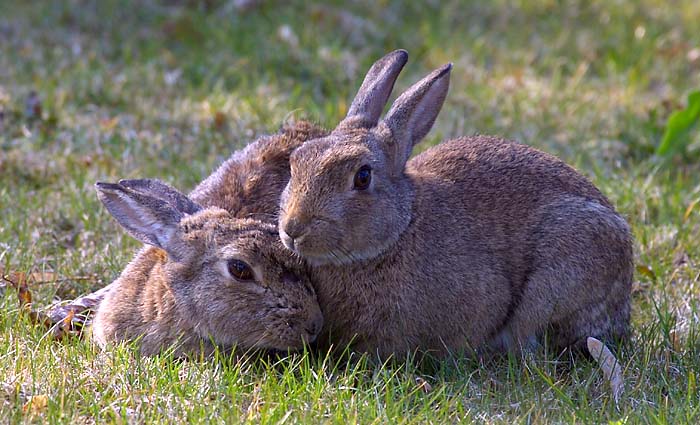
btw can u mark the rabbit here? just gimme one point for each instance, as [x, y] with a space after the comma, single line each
[250, 182]
[478, 243]
[247, 185]
[206, 278]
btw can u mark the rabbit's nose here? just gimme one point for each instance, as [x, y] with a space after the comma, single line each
[294, 228]
[314, 326]
[292, 232]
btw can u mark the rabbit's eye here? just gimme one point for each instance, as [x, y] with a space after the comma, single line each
[240, 270]
[363, 177]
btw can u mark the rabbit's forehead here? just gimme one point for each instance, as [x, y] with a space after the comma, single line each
[246, 240]
[256, 246]
[335, 152]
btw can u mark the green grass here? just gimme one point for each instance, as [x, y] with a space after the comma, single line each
[160, 90]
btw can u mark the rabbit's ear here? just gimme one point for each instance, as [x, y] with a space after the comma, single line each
[160, 190]
[375, 90]
[414, 112]
[149, 219]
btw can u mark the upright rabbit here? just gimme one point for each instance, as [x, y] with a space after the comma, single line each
[247, 185]
[477, 242]
[206, 277]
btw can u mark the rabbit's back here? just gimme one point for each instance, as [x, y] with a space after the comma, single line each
[499, 174]
[489, 191]
[550, 231]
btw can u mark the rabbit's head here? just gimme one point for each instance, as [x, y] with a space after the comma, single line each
[232, 280]
[348, 198]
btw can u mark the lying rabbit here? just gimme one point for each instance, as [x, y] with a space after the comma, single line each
[207, 278]
[477, 242]
[247, 185]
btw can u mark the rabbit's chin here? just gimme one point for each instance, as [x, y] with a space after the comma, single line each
[281, 344]
[339, 257]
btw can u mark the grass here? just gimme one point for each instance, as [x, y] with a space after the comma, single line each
[169, 89]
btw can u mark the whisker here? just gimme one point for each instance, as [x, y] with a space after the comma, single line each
[253, 215]
[335, 255]
[348, 254]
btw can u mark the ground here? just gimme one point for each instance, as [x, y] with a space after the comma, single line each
[101, 90]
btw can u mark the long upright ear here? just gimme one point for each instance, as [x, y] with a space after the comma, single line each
[147, 218]
[160, 190]
[414, 112]
[375, 90]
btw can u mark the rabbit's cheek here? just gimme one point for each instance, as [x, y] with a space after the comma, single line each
[321, 244]
[289, 323]
[313, 325]
[279, 335]
[252, 287]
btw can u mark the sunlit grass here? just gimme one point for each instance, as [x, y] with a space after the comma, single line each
[168, 90]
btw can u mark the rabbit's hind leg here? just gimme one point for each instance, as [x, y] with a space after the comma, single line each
[580, 280]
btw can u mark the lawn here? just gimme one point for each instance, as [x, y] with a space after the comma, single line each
[102, 90]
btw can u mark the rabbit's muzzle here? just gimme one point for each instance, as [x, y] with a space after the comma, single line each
[318, 240]
[292, 233]
[312, 328]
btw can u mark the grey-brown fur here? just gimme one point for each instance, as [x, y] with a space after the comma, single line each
[247, 185]
[179, 292]
[477, 242]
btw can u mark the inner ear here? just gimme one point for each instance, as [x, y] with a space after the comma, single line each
[413, 114]
[157, 189]
[146, 218]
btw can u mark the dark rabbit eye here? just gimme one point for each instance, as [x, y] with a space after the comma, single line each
[363, 177]
[240, 270]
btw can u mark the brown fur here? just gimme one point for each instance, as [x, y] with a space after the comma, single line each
[248, 184]
[476, 242]
[179, 293]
